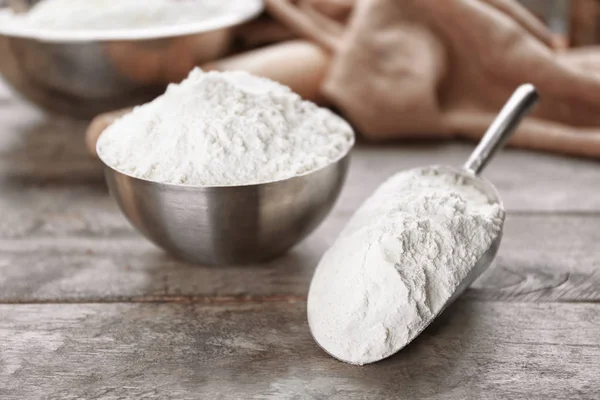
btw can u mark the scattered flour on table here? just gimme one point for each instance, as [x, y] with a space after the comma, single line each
[400, 257]
[121, 14]
[224, 129]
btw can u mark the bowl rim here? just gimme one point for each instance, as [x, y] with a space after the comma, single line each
[343, 158]
[255, 8]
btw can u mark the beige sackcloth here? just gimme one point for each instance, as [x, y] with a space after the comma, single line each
[444, 68]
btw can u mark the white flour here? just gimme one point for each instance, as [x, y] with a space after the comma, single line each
[119, 14]
[223, 129]
[396, 263]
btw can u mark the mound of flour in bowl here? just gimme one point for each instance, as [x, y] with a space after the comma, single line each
[225, 129]
[122, 14]
[399, 259]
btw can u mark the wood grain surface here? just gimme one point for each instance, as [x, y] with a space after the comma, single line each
[37, 153]
[91, 310]
[264, 351]
[542, 258]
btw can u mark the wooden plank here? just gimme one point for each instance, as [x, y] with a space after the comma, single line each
[482, 350]
[40, 150]
[542, 258]
[527, 181]
[67, 196]
[39, 153]
[545, 258]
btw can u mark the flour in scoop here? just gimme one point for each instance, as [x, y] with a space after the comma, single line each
[401, 256]
[123, 14]
[225, 129]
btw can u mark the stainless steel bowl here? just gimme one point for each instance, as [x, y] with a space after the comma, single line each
[236, 224]
[102, 71]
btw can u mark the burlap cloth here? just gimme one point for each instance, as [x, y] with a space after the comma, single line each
[431, 68]
[444, 68]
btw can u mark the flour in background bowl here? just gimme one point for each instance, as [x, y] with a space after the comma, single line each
[104, 15]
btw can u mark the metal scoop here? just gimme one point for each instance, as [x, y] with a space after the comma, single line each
[519, 104]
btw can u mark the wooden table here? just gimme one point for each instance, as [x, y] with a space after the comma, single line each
[89, 309]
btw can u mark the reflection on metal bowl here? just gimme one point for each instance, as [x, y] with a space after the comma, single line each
[230, 224]
[83, 78]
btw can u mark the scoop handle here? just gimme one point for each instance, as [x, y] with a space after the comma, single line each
[520, 104]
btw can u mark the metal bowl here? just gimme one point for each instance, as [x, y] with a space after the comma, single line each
[229, 224]
[86, 74]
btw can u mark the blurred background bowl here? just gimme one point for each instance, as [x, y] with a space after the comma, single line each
[99, 71]
[230, 224]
